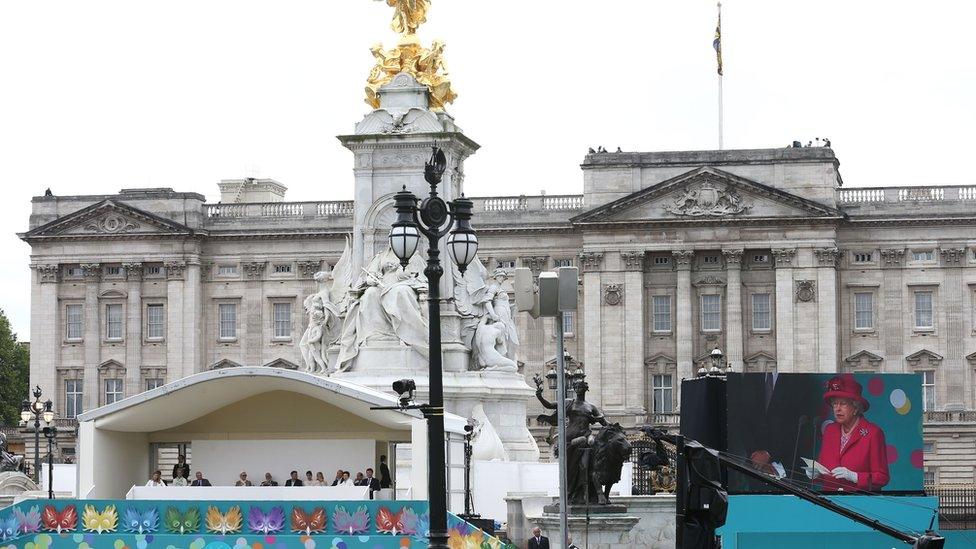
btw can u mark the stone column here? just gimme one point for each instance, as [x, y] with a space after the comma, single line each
[175, 272]
[733, 299]
[591, 263]
[827, 322]
[635, 384]
[45, 332]
[251, 315]
[133, 330]
[955, 379]
[683, 308]
[784, 309]
[890, 318]
[192, 319]
[93, 341]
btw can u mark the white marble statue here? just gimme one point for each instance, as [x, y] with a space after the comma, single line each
[487, 321]
[384, 309]
[325, 309]
[486, 445]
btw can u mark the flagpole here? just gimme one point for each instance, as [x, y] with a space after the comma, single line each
[721, 103]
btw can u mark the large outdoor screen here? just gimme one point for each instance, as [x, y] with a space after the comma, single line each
[837, 433]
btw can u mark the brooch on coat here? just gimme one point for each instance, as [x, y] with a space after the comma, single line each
[864, 431]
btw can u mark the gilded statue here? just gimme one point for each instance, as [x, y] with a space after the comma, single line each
[427, 66]
[409, 15]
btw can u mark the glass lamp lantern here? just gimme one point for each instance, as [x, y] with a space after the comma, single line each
[48, 412]
[405, 236]
[463, 242]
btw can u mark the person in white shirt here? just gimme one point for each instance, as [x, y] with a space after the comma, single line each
[156, 479]
[179, 479]
[344, 481]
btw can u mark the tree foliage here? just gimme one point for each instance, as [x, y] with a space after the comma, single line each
[14, 373]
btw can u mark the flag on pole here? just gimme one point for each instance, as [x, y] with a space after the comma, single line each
[717, 43]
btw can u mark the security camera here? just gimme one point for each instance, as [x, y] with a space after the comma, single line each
[405, 388]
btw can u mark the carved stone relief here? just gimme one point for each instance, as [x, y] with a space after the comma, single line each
[613, 294]
[953, 257]
[784, 256]
[827, 257]
[175, 270]
[806, 291]
[48, 273]
[307, 269]
[254, 269]
[111, 223]
[892, 256]
[591, 261]
[682, 258]
[535, 263]
[633, 261]
[706, 200]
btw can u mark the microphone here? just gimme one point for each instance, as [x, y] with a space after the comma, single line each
[796, 443]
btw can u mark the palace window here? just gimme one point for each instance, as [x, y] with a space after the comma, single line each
[227, 270]
[923, 256]
[928, 447]
[662, 313]
[562, 263]
[282, 320]
[710, 260]
[761, 313]
[113, 391]
[114, 322]
[569, 323]
[928, 390]
[711, 312]
[153, 382]
[505, 264]
[74, 322]
[760, 258]
[227, 321]
[74, 272]
[662, 388]
[72, 398]
[923, 311]
[863, 257]
[662, 260]
[863, 311]
[114, 270]
[155, 321]
[928, 477]
[282, 268]
[154, 271]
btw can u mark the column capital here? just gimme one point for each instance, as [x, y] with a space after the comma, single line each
[48, 273]
[827, 257]
[953, 257]
[591, 261]
[893, 257]
[633, 260]
[175, 270]
[254, 270]
[535, 263]
[91, 271]
[682, 259]
[307, 269]
[133, 271]
[784, 257]
[733, 257]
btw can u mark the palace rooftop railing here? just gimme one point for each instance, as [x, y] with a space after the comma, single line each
[901, 195]
[338, 208]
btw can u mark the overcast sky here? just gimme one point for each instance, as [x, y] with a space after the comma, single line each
[101, 95]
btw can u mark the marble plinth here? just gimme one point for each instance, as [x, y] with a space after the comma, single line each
[594, 531]
[503, 395]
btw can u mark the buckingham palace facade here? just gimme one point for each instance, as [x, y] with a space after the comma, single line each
[763, 254]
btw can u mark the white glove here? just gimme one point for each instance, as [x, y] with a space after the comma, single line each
[843, 473]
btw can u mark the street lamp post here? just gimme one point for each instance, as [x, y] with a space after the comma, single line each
[433, 218]
[50, 433]
[36, 410]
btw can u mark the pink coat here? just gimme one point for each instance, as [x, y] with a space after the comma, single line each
[866, 454]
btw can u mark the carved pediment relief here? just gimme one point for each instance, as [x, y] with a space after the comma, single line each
[971, 359]
[862, 360]
[924, 359]
[758, 362]
[661, 362]
[110, 365]
[707, 195]
[108, 218]
[224, 364]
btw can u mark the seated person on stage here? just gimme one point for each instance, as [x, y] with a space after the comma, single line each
[200, 481]
[180, 478]
[309, 480]
[338, 478]
[294, 480]
[853, 448]
[268, 481]
[360, 480]
[319, 479]
[156, 479]
[181, 464]
[344, 481]
[242, 481]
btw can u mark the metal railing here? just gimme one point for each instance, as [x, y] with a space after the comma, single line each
[957, 505]
[958, 416]
[338, 208]
[538, 203]
[645, 481]
[867, 195]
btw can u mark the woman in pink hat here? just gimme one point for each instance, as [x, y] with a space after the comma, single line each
[853, 449]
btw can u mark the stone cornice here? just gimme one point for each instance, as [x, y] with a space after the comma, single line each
[784, 257]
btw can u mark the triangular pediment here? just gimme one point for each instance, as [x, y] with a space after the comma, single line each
[864, 356]
[224, 364]
[281, 363]
[707, 195]
[922, 358]
[660, 358]
[108, 218]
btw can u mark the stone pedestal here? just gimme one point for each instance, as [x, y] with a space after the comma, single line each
[503, 395]
[597, 530]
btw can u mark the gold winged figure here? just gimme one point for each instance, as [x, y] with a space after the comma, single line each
[409, 15]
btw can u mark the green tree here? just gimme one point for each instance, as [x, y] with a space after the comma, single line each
[14, 373]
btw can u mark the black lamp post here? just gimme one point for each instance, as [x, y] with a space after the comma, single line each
[36, 410]
[50, 433]
[572, 376]
[433, 218]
